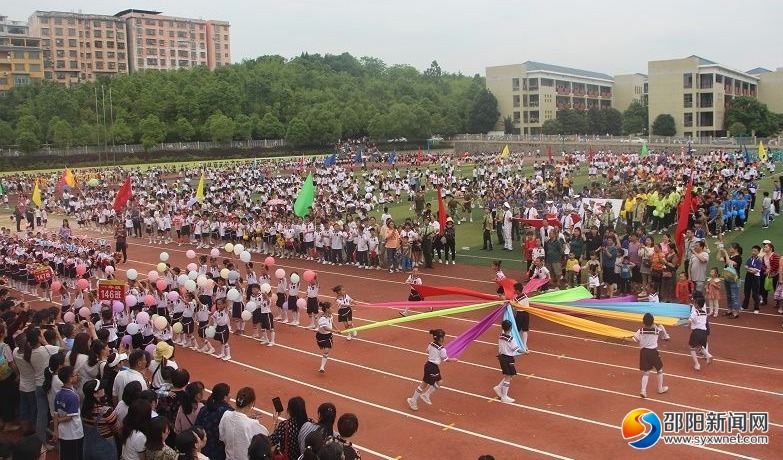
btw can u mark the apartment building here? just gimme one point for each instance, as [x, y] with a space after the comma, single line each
[629, 88]
[770, 87]
[21, 59]
[532, 92]
[80, 47]
[696, 92]
[159, 42]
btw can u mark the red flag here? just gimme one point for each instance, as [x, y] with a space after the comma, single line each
[550, 153]
[301, 164]
[418, 158]
[123, 195]
[590, 155]
[441, 212]
[683, 214]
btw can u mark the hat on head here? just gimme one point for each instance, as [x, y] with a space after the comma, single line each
[116, 358]
[449, 219]
[163, 351]
[506, 205]
[766, 242]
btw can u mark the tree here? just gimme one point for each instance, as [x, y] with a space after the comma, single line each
[596, 122]
[121, 133]
[220, 128]
[754, 115]
[323, 126]
[243, 127]
[28, 123]
[635, 119]
[613, 120]
[28, 142]
[183, 130]
[60, 132]
[271, 128]
[6, 134]
[508, 125]
[482, 113]
[573, 121]
[86, 134]
[664, 125]
[552, 126]
[152, 130]
[298, 133]
[738, 129]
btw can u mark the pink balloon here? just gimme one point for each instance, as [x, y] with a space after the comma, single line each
[150, 348]
[126, 340]
[56, 286]
[173, 296]
[269, 261]
[190, 254]
[280, 273]
[161, 284]
[149, 300]
[192, 267]
[143, 318]
[153, 276]
[117, 306]
[130, 300]
[81, 269]
[83, 284]
[215, 252]
[68, 317]
[301, 303]
[84, 312]
[308, 275]
[576, 268]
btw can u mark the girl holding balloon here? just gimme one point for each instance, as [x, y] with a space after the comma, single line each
[312, 296]
[344, 310]
[293, 298]
[264, 305]
[220, 319]
[202, 315]
[188, 323]
[282, 289]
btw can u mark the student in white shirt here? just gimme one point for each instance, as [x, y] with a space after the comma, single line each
[436, 354]
[699, 332]
[649, 358]
[507, 348]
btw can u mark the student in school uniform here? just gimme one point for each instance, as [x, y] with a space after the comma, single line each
[201, 315]
[413, 296]
[699, 332]
[188, 323]
[344, 310]
[436, 354]
[323, 334]
[521, 316]
[312, 301]
[282, 291]
[264, 303]
[649, 358]
[293, 296]
[67, 416]
[507, 348]
[220, 318]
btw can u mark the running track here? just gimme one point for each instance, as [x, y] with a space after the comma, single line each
[571, 395]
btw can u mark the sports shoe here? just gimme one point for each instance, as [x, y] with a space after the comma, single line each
[643, 394]
[663, 390]
[507, 399]
[498, 391]
[709, 359]
[350, 337]
[667, 337]
[220, 356]
[426, 398]
[322, 370]
[271, 344]
[412, 404]
[755, 312]
[697, 367]
[294, 323]
[227, 358]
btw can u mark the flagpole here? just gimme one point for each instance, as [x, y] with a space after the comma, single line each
[97, 122]
[105, 134]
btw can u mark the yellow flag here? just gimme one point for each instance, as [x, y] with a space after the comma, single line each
[505, 152]
[36, 195]
[200, 189]
[762, 151]
[69, 178]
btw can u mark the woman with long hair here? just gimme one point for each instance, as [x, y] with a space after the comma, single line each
[327, 414]
[99, 422]
[286, 433]
[238, 427]
[77, 358]
[209, 417]
[133, 435]
[31, 360]
[156, 436]
[192, 402]
[191, 442]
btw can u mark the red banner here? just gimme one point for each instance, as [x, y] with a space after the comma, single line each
[111, 290]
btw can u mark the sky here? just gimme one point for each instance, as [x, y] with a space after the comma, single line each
[608, 36]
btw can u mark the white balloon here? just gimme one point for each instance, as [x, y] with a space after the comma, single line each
[238, 248]
[190, 285]
[245, 256]
[132, 274]
[294, 278]
[210, 332]
[251, 306]
[246, 315]
[210, 283]
[202, 281]
[132, 329]
[164, 256]
[193, 275]
[266, 288]
[232, 294]
[181, 279]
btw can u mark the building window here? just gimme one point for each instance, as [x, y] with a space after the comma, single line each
[72, 54]
[74, 65]
[109, 34]
[718, 78]
[687, 80]
[98, 44]
[97, 33]
[110, 44]
[687, 100]
[121, 56]
[110, 55]
[35, 67]
[99, 55]
[99, 65]
[58, 32]
[515, 100]
[19, 67]
[122, 67]
[71, 32]
[72, 42]
[44, 32]
[516, 117]
[515, 84]
[705, 100]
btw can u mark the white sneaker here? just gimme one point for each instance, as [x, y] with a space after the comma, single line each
[271, 344]
[426, 399]
[507, 400]
[498, 391]
[697, 367]
[663, 390]
[349, 337]
[220, 356]
[755, 312]
[643, 394]
[709, 359]
[294, 323]
[412, 404]
[285, 321]
[227, 358]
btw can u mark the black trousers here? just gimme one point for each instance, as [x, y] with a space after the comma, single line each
[751, 289]
[71, 449]
[487, 239]
[426, 248]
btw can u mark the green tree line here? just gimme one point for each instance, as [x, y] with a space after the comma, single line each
[308, 100]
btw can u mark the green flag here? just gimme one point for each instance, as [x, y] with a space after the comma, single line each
[2, 190]
[644, 151]
[305, 198]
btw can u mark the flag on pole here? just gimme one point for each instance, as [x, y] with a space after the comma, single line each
[418, 157]
[330, 160]
[200, 188]
[123, 195]
[441, 212]
[549, 153]
[644, 152]
[2, 190]
[747, 154]
[305, 198]
[505, 152]
[36, 198]
[762, 152]
[683, 215]
[393, 156]
[590, 154]
[69, 178]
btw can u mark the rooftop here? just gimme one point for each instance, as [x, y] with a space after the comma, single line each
[703, 61]
[757, 71]
[532, 65]
[133, 10]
